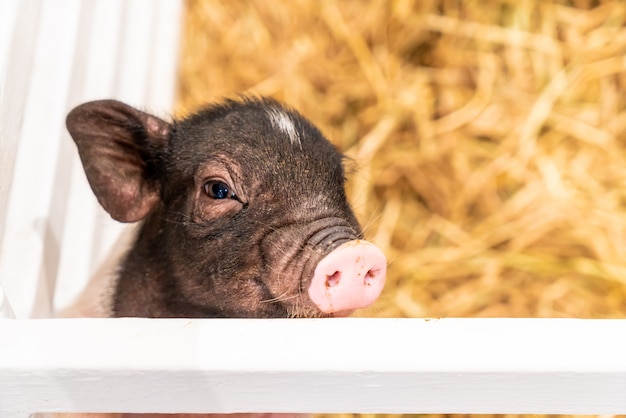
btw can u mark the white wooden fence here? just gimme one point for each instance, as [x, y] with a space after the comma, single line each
[53, 56]
[56, 54]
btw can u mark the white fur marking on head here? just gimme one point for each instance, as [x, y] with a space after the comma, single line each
[282, 121]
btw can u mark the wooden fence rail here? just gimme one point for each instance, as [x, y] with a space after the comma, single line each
[560, 366]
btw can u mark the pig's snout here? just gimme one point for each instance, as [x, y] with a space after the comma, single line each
[350, 277]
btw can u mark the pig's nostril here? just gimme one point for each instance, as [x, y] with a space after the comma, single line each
[370, 276]
[348, 278]
[333, 279]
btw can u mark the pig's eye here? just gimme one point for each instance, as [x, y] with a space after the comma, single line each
[216, 189]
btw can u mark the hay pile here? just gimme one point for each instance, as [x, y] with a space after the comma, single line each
[488, 138]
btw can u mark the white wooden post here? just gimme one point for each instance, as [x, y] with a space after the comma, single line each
[53, 56]
[5, 308]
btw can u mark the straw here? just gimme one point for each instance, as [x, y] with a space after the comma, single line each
[487, 138]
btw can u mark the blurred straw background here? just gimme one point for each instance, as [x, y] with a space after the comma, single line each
[487, 138]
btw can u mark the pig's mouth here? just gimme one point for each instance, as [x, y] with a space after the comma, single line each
[343, 314]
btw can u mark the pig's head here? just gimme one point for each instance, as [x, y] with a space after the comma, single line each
[243, 208]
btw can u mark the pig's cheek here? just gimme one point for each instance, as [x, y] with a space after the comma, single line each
[207, 209]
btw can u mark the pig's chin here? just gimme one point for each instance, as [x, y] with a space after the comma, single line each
[235, 415]
[309, 312]
[316, 313]
[342, 314]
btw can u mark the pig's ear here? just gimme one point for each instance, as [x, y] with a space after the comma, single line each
[118, 146]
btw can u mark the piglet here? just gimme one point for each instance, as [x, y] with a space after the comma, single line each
[243, 213]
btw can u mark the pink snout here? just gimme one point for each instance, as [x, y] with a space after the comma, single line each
[350, 277]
